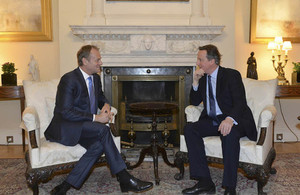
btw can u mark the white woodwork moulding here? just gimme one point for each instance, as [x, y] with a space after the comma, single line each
[147, 45]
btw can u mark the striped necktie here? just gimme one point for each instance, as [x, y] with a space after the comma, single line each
[92, 95]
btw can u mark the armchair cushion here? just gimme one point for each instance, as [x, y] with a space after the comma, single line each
[35, 95]
[52, 153]
[259, 94]
[50, 105]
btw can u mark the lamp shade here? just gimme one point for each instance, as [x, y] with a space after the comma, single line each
[278, 40]
[272, 45]
[287, 45]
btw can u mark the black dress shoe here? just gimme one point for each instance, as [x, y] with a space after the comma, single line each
[61, 189]
[199, 188]
[229, 191]
[135, 185]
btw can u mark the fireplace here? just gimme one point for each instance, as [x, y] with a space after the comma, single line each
[125, 85]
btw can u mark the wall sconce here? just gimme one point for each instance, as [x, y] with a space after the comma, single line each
[279, 47]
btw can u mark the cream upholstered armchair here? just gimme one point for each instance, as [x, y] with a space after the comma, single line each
[256, 158]
[45, 158]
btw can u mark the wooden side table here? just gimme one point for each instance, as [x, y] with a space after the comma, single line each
[155, 109]
[13, 93]
[287, 91]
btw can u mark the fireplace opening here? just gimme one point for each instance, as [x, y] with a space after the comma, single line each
[148, 91]
[145, 91]
[126, 85]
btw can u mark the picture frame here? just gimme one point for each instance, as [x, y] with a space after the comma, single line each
[271, 18]
[43, 33]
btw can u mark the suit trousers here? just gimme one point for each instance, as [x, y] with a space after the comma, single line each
[97, 139]
[194, 134]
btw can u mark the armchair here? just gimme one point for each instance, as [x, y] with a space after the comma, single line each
[45, 158]
[256, 158]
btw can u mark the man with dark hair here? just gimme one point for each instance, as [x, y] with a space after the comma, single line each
[225, 114]
[75, 121]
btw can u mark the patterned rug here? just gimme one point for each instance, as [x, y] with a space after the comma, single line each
[285, 182]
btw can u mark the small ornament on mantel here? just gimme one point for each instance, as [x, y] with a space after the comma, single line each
[252, 67]
[34, 69]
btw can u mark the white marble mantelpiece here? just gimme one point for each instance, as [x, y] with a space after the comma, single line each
[147, 45]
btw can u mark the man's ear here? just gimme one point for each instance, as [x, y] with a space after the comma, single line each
[212, 61]
[84, 61]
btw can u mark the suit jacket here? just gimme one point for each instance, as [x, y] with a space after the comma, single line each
[231, 98]
[72, 107]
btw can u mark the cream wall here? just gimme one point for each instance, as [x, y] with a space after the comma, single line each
[225, 42]
[59, 56]
[69, 44]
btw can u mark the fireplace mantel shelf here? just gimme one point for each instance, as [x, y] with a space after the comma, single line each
[86, 32]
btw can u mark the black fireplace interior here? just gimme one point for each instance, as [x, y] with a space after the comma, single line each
[137, 91]
[144, 91]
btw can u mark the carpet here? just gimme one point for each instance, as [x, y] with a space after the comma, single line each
[285, 182]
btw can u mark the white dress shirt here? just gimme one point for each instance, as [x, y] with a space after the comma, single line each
[86, 76]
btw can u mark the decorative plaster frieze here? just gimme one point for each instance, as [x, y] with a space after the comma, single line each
[148, 42]
[181, 47]
[147, 45]
[207, 36]
[85, 32]
[112, 47]
[104, 36]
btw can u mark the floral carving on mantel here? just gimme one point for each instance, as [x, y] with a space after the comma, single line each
[189, 47]
[112, 47]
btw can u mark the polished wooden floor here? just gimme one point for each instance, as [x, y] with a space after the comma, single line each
[16, 151]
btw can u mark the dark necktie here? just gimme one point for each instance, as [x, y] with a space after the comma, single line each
[212, 103]
[92, 96]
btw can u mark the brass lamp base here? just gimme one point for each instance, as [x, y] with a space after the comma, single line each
[283, 82]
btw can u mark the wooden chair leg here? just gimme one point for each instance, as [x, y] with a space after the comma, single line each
[180, 159]
[260, 185]
[35, 189]
[273, 171]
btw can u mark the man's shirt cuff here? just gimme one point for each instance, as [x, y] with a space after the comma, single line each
[234, 122]
[195, 88]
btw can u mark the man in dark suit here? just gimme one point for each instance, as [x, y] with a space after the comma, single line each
[75, 120]
[225, 114]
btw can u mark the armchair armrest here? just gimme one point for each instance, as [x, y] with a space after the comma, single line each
[193, 112]
[267, 115]
[112, 122]
[114, 132]
[30, 122]
[30, 119]
[265, 127]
